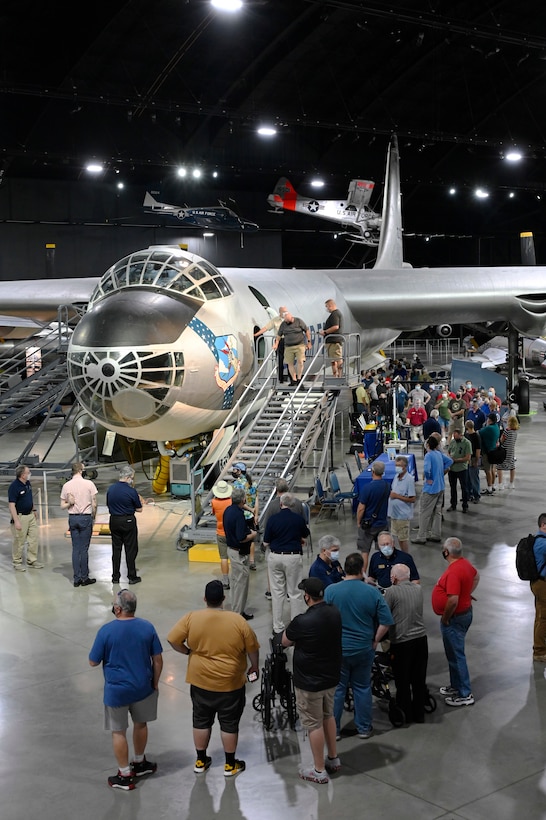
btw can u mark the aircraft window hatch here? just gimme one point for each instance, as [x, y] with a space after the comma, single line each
[181, 284]
[208, 268]
[165, 277]
[196, 273]
[225, 289]
[197, 293]
[259, 296]
[210, 290]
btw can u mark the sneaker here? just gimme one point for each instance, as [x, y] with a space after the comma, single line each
[226, 586]
[136, 580]
[435, 540]
[459, 701]
[512, 486]
[235, 769]
[332, 765]
[314, 776]
[338, 736]
[202, 766]
[143, 767]
[120, 781]
[448, 691]
[35, 565]
[268, 594]
[365, 735]
[19, 568]
[252, 567]
[88, 581]
[418, 540]
[246, 615]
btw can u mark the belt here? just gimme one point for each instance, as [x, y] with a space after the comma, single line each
[69, 514]
[23, 514]
[465, 612]
[289, 552]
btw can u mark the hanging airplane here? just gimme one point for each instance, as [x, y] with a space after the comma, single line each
[353, 214]
[216, 217]
[494, 353]
[167, 345]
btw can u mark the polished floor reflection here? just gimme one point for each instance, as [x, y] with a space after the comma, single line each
[477, 762]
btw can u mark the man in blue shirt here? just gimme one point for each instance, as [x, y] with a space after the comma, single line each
[371, 513]
[401, 502]
[239, 536]
[435, 466]
[123, 502]
[365, 620]
[326, 565]
[383, 560]
[489, 437]
[130, 652]
[24, 528]
[476, 415]
[538, 588]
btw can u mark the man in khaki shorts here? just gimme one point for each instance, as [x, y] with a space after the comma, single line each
[334, 341]
[316, 636]
[401, 502]
[294, 331]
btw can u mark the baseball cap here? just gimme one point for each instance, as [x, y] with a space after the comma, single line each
[239, 465]
[313, 587]
[222, 489]
[214, 592]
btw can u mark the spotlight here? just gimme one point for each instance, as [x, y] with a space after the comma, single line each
[181, 172]
[267, 131]
[317, 183]
[94, 168]
[196, 173]
[480, 193]
[513, 155]
[227, 5]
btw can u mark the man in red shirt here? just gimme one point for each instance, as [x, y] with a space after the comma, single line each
[416, 416]
[452, 600]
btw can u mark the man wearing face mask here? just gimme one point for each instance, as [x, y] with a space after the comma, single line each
[457, 409]
[452, 600]
[123, 502]
[435, 467]
[326, 566]
[416, 417]
[382, 562]
[442, 405]
[365, 619]
[401, 502]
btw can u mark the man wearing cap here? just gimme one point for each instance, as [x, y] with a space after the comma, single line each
[316, 637]
[365, 618]
[239, 536]
[79, 497]
[285, 534]
[217, 643]
[222, 498]
[123, 502]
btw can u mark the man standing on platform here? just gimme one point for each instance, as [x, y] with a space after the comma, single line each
[294, 331]
[79, 497]
[24, 528]
[123, 502]
[334, 341]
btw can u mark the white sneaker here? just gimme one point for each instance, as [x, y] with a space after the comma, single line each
[512, 486]
[459, 701]
[500, 487]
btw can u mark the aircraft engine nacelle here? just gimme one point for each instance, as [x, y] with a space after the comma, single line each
[444, 331]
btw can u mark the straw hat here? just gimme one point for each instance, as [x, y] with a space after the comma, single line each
[222, 489]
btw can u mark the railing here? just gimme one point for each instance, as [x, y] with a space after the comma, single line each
[432, 351]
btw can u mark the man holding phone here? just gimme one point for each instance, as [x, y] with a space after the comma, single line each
[217, 643]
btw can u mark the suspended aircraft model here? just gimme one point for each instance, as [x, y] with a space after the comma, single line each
[216, 217]
[494, 353]
[166, 346]
[353, 214]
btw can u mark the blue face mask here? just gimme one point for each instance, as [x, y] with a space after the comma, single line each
[398, 470]
[387, 551]
[334, 556]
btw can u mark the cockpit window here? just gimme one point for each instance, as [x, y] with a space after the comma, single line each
[161, 270]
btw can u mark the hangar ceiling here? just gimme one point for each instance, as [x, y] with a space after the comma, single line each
[146, 86]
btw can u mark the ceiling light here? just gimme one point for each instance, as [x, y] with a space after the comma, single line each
[266, 131]
[227, 5]
[511, 195]
[94, 168]
[196, 173]
[480, 193]
[452, 191]
[120, 185]
[181, 172]
[207, 234]
[513, 155]
[317, 183]
[215, 174]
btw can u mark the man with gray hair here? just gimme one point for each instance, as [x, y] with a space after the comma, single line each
[371, 513]
[409, 646]
[285, 534]
[79, 497]
[326, 566]
[401, 502]
[452, 601]
[123, 502]
[281, 487]
[239, 537]
[130, 652]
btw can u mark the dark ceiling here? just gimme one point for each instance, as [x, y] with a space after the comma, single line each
[145, 86]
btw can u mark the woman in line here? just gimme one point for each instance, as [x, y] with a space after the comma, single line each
[508, 439]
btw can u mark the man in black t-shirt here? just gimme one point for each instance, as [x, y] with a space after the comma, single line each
[316, 636]
[332, 337]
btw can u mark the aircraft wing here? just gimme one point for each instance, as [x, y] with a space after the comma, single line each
[40, 299]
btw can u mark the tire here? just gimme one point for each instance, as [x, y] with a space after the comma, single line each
[291, 704]
[257, 703]
[396, 715]
[430, 703]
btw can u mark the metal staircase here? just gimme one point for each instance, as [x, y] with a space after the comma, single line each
[274, 437]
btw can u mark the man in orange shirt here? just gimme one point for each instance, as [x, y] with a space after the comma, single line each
[222, 498]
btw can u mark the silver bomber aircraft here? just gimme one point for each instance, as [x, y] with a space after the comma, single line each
[166, 346]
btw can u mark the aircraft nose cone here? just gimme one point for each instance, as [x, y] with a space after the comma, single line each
[117, 361]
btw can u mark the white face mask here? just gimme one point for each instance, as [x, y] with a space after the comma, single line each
[334, 555]
[398, 470]
[444, 395]
[387, 550]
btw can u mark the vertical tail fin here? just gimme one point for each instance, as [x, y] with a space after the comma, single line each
[390, 254]
[284, 195]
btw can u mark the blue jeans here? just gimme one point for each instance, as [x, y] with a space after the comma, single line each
[454, 635]
[81, 529]
[356, 671]
[474, 481]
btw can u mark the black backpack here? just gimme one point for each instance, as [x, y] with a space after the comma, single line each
[526, 566]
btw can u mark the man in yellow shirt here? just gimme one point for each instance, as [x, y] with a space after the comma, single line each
[217, 643]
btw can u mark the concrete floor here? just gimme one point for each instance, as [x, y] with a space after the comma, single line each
[476, 763]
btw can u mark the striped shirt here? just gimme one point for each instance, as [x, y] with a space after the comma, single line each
[405, 600]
